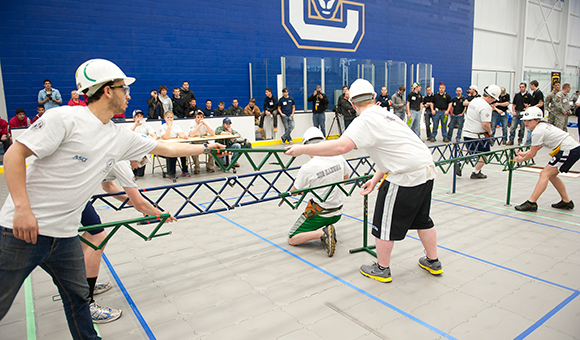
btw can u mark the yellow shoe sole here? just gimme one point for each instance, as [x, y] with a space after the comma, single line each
[378, 278]
[433, 272]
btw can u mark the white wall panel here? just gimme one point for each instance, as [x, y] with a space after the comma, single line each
[511, 37]
[490, 52]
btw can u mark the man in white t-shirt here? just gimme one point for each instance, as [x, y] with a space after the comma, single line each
[319, 171]
[75, 148]
[477, 126]
[144, 129]
[200, 128]
[407, 169]
[565, 152]
[170, 130]
[121, 172]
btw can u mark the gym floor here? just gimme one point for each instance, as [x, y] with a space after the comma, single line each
[232, 275]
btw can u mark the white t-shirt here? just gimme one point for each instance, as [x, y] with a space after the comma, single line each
[550, 136]
[144, 129]
[478, 112]
[394, 147]
[122, 172]
[75, 152]
[320, 171]
[175, 130]
[202, 130]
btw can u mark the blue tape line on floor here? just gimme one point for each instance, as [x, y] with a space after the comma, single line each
[504, 215]
[482, 260]
[547, 316]
[129, 299]
[419, 321]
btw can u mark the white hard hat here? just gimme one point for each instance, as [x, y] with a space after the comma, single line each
[493, 91]
[95, 72]
[359, 88]
[474, 87]
[533, 112]
[312, 135]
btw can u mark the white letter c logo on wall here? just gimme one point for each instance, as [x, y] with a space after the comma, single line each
[334, 25]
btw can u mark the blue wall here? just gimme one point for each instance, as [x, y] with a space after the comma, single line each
[208, 43]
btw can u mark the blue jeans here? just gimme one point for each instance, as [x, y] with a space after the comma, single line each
[318, 119]
[347, 122]
[438, 117]
[63, 260]
[401, 115]
[455, 120]
[495, 118]
[288, 123]
[416, 122]
[515, 122]
[234, 154]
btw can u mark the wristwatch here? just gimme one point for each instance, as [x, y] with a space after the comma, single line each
[205, 148]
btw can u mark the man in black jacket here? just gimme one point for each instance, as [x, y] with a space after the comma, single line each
[319, 104]
[344, 107]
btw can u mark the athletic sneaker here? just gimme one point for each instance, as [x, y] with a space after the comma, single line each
[527, 206]
[433, 268]
[171, 176]
[328, 239]
[374, 272]
[101, 287]
[185, 174]
[478, 175]
[101, 314]
[563, 205]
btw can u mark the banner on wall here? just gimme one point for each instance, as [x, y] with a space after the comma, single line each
[556, 78]
[331, 25]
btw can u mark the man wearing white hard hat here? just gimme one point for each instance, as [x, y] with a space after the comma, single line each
[472, 93]
[404, 198]
[477, 126]
[565, 153]
[76, 147]
[317, 221]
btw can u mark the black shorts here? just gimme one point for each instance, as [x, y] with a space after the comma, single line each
[476, 145]
[90, 217]
[566, 159]
[399, 209]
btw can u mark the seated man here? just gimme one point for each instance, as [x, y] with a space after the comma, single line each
[5, 134]
[20, 120]
[122, 172]
[40, 110]
[231, 143]
[252, 109]
[235, 110]
[191, 109]
[319, 171]
[199, 128]
[221, 110]
[75, 100]
[168, 131]
[141, 127]
[208, 111]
